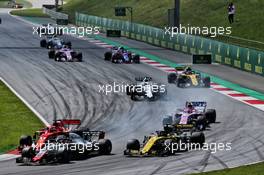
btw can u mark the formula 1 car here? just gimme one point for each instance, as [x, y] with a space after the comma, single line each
[145, 88]
[65, 54]
[121, 55]
[164, 143]
[186, 77]
[194, 116]
[59, 144]
[52, 42]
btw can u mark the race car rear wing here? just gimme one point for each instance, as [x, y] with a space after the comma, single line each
[87, 135]
[71, 121]
[67, 121]
[180, 68]
[196, 103]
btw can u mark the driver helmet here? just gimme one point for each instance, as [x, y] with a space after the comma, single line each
[121, 48]
[188, 69]
[190, 107]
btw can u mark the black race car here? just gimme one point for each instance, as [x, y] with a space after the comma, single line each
[145, 88]
[58, 144]
[121, 55]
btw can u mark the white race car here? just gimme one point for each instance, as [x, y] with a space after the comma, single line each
[145, 88]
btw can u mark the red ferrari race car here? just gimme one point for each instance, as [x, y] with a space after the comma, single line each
[121, 55]
[59, 144]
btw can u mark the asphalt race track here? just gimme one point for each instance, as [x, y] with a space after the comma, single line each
[71, 90]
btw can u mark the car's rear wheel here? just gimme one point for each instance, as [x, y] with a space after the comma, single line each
[181, 83]
[43, 43]
[201, 123]
[25, 140]
[79, 57]
[51, 54]
[108, 56]
[198, 137]
[105, 146]
[136, 59]
[133, 144]
[172, 77]
[210, 115]
[133, 96]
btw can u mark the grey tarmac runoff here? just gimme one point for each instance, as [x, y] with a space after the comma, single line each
[71, 90]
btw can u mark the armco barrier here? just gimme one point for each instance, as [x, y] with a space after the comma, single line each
[242, 58]
[55, 15]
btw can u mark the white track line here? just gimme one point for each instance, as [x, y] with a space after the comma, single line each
[5, 157]
[25, 102]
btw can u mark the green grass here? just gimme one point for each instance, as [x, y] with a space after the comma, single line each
[4, 3]
[34, 12]
[16, 119]
[256, 169]
[249, 15]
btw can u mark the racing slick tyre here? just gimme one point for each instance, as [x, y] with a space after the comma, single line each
[207, 82]
[133, 144]
[43, 43]
[210, 115]
[27, 152]
[172, 77]
[136, 59]
[57, 57]
[201, 123]
[133, 96]
[25, 140]
[69, 44]
[51, 54]
[198, 137]
[108, 56]
[181, 83]
[105, 146]
[79, 57]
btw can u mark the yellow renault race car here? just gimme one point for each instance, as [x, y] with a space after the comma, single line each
[164, 143]
[186, 77]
